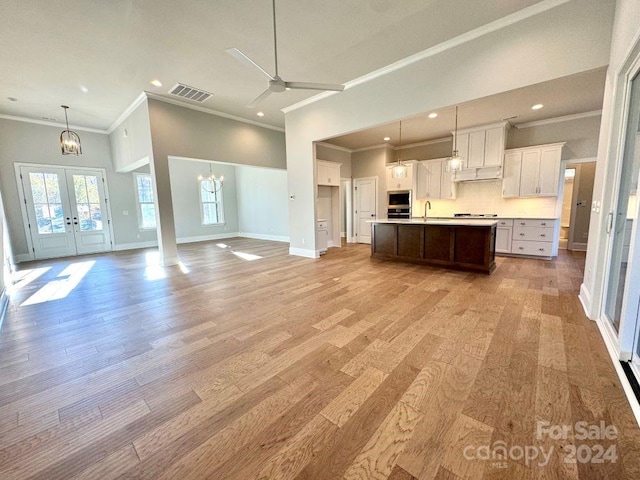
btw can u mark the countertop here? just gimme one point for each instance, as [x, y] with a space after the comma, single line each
[502, 217]
[463, 222]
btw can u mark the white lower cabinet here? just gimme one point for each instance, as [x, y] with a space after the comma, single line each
[530, 236]
[322, 235]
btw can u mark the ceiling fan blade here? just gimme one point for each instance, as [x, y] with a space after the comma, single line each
[315, 86]
[241, 57]
[260, 98]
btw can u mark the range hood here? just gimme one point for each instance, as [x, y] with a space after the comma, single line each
[478, 174]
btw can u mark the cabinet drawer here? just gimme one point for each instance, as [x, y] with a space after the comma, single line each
[520, 222]
[540, 249]
[322, 225]
[505, 223]
[539, 234]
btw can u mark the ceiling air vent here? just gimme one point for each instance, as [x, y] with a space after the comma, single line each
[185, 91]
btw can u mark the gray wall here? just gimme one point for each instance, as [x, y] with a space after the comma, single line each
[263, 203]
[335, 155]
[581, 136]
[426, 152]
[131, 140]
[186, 198]
[372, 163]
[33, 143]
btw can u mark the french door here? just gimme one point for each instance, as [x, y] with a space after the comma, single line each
[66, 209]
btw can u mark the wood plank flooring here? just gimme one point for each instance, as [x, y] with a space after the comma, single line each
[270, 366]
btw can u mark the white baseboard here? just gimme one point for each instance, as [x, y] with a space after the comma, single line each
[23, 257]
[330, 243]
[626, 386]
[302, 252]
[343, 234]
[262, 236]
[207, 238]
[4, 304]
[579, 247]
[585, 299]
[134, 246]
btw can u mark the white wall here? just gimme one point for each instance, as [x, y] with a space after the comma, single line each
[571, 38]
[186, 199]
[131, 140]
[263, 204]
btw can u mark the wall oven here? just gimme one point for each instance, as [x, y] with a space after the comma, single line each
[399, 204]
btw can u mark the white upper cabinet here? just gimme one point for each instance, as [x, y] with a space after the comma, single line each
[401, 183]
[511, 175]
[482, 146]
[433, 181]
[532, 171]
[328, 173]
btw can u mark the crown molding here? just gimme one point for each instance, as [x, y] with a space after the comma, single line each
[51, 124]
[565, 118]
[334, 147]
[128, 111]
[211, 112]
[503, 22]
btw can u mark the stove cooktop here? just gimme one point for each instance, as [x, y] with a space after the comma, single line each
[475, 215]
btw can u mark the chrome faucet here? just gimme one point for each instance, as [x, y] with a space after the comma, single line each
[427, 206]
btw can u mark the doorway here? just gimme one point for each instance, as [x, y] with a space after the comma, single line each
[365, 194]
[576, 205]
[64, 210]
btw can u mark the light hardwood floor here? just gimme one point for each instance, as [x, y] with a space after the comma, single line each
[281, 367]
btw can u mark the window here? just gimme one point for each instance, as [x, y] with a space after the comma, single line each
[147, 206]
[211, 202]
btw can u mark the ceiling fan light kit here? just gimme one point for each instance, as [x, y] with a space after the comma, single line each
[277, 84]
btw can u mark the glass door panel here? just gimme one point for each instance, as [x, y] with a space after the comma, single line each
[624, 216]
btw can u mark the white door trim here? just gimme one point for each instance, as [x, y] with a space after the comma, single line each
[348, 198]
[23, 205]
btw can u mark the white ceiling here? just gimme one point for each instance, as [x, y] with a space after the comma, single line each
[563, 96]
[114, 48]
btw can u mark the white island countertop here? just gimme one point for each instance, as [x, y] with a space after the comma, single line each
[463, 222]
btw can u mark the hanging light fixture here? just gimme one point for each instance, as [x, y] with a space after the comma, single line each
[454, 164]
[213, 180]
[400, 169]
[69, 140]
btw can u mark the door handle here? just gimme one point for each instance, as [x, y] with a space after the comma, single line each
[373, 214]
[75, 223]
[68, 223]
[610, 222]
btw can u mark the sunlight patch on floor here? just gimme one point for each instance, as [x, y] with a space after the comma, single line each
[62, 285]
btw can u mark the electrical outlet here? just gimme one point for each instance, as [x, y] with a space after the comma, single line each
[303, 240]
[125, 212]
[139, 236]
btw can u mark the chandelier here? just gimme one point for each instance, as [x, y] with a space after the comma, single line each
[69, 140]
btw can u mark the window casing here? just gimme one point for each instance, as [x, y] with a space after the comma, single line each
[211, 207]
[146, 201]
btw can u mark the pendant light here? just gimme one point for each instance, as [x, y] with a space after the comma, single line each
[69, 140]
[454, 164]
[212, 178]
[400, 169]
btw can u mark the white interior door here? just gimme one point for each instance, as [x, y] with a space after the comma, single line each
[49, 212]
[88, 205]
[365, 195]
[66, 211]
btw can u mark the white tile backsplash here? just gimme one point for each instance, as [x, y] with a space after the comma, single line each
[486, 197]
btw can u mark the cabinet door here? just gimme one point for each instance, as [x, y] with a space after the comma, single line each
[421, 181]
[494, 147]
[447, 186]
[463, 148]
[511, 176]
[392, 183]
[434, 174]
[322, 173]
[476, 149]
[529, 173]
[503, 239]
[406, 183]
[549, 172]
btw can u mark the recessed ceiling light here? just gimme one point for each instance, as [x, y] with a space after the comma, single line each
[386, 139]
[260, 114]
[433, 115]
[84, 89]
[12, 99]
[156, 83]
[537, 106]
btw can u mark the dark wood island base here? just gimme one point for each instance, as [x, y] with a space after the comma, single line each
[463, 247]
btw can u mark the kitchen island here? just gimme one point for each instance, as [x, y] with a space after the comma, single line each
[460, 244]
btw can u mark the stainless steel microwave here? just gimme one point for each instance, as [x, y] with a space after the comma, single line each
[399, 199]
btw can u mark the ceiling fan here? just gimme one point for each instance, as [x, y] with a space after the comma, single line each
[277, 84]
